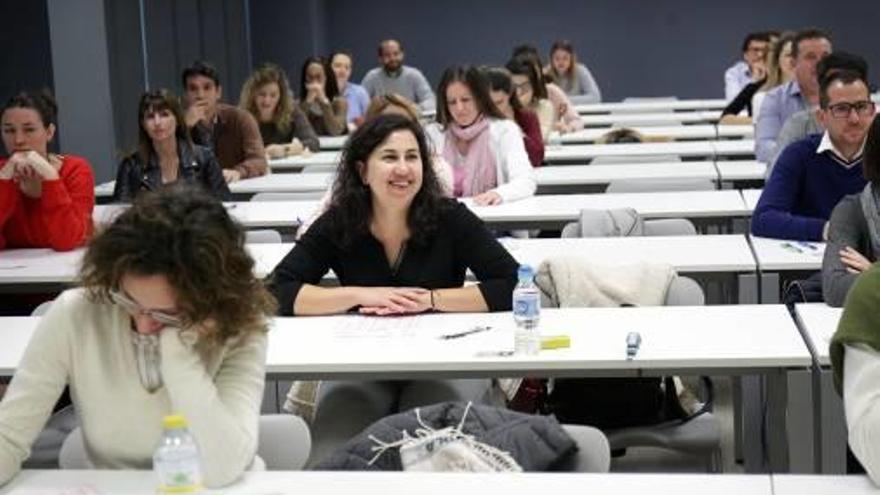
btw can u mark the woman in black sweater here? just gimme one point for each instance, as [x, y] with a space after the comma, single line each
[398, 246]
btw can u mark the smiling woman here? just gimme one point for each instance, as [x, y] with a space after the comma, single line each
[398, 247]
[156, 329]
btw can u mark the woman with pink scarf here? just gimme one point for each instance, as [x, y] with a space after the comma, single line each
[486, 151]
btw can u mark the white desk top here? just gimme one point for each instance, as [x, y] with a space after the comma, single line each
[71, 482]
[730, 170]
[105, 190]
[734, 147]
[321, 158]
[589, 151]
[779, 255]
[567, 207]
[820, 322]
[751, 197]
[687, 254]
[571, 175]
[799, 484]
[329, 143]
[735, 131]
[35, 266]
[589, 135]
[696, 338]
[651, 106]
[251, 214]
[646, 119]
[311, 182]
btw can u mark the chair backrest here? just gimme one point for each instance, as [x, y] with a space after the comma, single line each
[669, 226]
[284, 445]
[685, 291]
[625, 222]
[593, 455]
[629, 159]
[263, 236]
[287, 196]
[658, 185]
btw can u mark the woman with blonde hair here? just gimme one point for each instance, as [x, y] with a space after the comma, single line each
[283, 126]
[778, 68]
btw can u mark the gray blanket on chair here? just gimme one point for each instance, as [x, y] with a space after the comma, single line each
[537, 443]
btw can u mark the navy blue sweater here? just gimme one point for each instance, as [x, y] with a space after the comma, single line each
[802, 190]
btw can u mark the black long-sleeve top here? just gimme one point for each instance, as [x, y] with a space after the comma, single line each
[461, 242]
[198, 165]
[744, 99]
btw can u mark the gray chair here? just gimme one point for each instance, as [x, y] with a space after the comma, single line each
[631, 159]
[42, 309]
[288, 196]
[262, 236]
[593, 455]
[284, 445]
[658, 227]
[659, 185]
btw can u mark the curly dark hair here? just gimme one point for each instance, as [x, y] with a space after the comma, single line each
[187, 236]
[351, 205]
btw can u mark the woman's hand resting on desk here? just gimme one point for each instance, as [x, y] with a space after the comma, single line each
[383, 301]
[487, 198]
[854, 261]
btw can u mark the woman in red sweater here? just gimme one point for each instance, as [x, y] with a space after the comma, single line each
[46, 200]
[501, 91]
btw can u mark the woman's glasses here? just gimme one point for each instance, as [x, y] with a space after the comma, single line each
[133, 308]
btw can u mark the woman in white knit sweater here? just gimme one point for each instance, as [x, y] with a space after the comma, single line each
[170, 319]
[484, 149]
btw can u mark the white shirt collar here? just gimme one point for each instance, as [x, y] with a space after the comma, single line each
[826, 144]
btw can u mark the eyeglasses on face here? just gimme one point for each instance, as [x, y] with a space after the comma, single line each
[864, 108]
[134, 309]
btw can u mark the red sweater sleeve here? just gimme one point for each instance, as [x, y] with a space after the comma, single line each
[67, 204]
[9, 199]
[532, 138]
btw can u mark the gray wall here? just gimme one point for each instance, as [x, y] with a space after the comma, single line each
[633, 47]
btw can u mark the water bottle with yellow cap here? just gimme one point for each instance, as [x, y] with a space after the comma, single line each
[176, 461]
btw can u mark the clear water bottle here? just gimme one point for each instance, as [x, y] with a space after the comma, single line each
[526, 312]
[176, 461]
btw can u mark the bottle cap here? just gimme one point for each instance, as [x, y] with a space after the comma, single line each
[525, 272]
[174, 421]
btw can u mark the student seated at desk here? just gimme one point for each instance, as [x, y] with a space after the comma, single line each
[166, 154]
[504, 97]
[156, 329]
[320, 100]
[486, 150]
[283, 126]
[398, 246]
[571, 75]
[46, 200]
[854, 229]
[812, 175]
[855, 357]
[775, 69]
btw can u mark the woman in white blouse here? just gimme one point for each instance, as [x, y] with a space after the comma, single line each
[484, 149]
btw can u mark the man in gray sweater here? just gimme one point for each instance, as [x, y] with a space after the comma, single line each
[394, 77]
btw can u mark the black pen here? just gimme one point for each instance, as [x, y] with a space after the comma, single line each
[465, 333]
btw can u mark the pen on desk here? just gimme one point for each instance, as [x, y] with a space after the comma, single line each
[788, 245]
[464, 333]
[633, 342]
[807, 245]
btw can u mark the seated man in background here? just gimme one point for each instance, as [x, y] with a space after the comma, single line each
[813, 174]
[801, 93]
[804, 123]
[750, 68]
[232, 133]
[394, 77]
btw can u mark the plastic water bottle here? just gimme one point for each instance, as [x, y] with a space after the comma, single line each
[526, 312]
[176, 461]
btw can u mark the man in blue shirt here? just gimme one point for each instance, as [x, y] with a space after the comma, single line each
[800, 93]
[750, 68]
[355, 94]
[813, 174]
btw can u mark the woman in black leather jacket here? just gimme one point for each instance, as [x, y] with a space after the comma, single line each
[165, 153]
